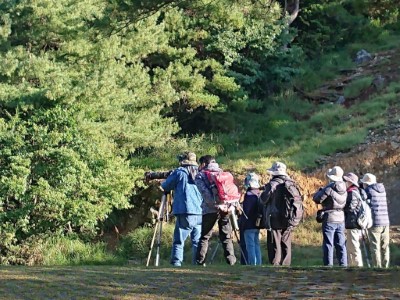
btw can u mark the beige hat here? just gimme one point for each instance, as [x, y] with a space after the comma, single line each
[351, 177]
[278, 168]
[335, 174]
[187, 159]
[369, 179]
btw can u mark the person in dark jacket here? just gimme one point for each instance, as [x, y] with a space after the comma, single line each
[211, 215]
[279, 238]
[379, 232]
[333, 199]
[186, 206]
[351, 211]
[250, 208]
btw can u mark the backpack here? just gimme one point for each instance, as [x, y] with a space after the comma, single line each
[288, 212]
[223, 186]
[364, 216]
[293, 208]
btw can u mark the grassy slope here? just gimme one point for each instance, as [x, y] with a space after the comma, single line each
[105, 282]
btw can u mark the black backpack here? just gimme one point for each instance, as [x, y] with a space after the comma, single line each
[286, 212]
[289, 210]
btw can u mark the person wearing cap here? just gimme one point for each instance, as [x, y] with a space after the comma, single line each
[333, 197]
[279, 237]
[212, 215]
[186, 206]
[379, 232]
[351, 211]
[250, 209]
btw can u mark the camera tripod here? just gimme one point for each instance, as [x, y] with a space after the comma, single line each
[366, 243]
[161, 216]
[233, 220]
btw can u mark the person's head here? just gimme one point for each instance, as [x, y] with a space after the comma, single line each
[205, 160]
[368, 179]
[351, 179]
[335, 174]
[278, 168]
[252, 181]
[187, 159]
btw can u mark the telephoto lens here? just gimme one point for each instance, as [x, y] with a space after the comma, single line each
[156, 175]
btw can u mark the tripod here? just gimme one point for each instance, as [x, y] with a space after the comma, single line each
[233, 220]
[162, 215]
[365, 242]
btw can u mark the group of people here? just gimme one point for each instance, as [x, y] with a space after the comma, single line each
[341, 201]
[196, 211]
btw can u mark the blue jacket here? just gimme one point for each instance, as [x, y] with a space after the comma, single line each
[377, 195]
[187, 198]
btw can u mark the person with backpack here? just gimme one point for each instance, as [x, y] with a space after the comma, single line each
[283, 211]
[351, 212]
[212, 214]
[249, 218]
[333, 198]
[379, 232]
[186, 206]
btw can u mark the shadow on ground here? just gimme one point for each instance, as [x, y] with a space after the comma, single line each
[238, 282]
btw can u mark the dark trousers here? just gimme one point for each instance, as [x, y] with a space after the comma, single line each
[279, 245]
[225, 236]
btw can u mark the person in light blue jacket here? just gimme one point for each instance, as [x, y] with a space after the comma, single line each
[186, 206]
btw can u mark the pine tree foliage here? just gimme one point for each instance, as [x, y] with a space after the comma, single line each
[88, 86]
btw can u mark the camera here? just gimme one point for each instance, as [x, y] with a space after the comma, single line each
[157, 175]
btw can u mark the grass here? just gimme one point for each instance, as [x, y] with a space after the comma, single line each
[213, 282]
[356, 87]
[66, 251]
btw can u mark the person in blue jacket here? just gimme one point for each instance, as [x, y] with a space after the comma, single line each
[186, 206]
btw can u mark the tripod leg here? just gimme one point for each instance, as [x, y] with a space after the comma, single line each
[364, 238]
[152, 244]
[161, 220]
[214, 252]
[240, 247]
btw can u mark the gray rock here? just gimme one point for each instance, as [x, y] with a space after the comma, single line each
[395, 145]
[362, 56]
[379, 82]
[340, 100]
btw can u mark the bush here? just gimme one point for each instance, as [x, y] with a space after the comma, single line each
[135, 245]
[57, 251]
[73, 251]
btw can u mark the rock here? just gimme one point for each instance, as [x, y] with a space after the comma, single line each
[362, 56]
[395, 145]
[382, 154]
[340, 100]
[379, 82]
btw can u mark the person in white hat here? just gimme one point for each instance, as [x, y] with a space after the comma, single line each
[281, 218]
[333, 199]
[379, 232]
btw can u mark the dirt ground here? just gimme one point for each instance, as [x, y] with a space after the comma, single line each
[216, 282]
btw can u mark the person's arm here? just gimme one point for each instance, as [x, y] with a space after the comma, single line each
[354, 201]
[170, 183]
[270, 188]
[322, 194]
[201, 184]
